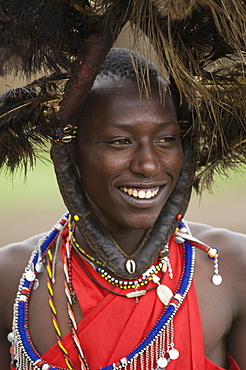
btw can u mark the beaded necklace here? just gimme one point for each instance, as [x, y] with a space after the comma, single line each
[70, 294]
[162, 264]
[158, 344]
[134, 294]
[25, 354]
[78, 247]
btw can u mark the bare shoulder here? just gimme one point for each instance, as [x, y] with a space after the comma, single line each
[231, 246]
[13, 260]
[230, 242]
[229, 302]
[17, 254]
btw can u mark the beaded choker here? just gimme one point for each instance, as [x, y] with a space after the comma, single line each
[162, 264]
[134, 294]
[155, 351]
[79, 249]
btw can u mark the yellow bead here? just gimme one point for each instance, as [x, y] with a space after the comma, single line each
[76, 217]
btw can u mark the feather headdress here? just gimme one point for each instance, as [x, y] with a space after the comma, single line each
[200, 43]
[28, 118]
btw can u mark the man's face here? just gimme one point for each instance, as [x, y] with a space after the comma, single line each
[128, 153]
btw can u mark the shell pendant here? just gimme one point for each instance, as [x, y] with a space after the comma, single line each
[130, 266]
[164, 294]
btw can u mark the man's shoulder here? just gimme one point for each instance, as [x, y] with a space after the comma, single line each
[13, 260]
[28, 244]
[232, 252]
[231, 244]
[14, 257]
[222, 307]
[218, 237]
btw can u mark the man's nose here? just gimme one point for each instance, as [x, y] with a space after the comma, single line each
[145, 161]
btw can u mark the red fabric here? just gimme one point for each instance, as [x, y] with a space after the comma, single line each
[232, 365]
[113, 326]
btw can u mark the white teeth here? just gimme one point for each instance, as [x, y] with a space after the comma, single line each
[141, 194]
[148, 194]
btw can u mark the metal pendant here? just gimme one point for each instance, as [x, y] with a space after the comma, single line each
[30, 275]
[173, 354]
[161, 363]
[130, 266]
[39, 267]
[36, 284]
[164, 294]
[179, 240]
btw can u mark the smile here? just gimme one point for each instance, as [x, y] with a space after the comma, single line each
[141, 193]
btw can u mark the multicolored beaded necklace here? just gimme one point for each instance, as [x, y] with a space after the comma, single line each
[162, 264]
[157, 348]
[78, 247]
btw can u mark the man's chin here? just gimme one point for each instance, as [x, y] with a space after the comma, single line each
[141, 224]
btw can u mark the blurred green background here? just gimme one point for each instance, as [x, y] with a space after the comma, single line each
[31, 206]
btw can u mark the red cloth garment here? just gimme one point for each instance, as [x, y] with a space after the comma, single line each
[113, 326]
[232, 365]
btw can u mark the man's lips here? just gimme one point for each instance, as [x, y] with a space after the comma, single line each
[140, 193]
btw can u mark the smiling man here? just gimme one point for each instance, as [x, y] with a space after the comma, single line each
[120, 282]
[129, 153]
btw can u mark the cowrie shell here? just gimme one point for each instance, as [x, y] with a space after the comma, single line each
[130, 266]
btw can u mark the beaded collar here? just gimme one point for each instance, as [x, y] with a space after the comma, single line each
[26, 356]
[162, 264]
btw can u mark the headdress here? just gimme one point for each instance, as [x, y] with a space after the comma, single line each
[200, 43]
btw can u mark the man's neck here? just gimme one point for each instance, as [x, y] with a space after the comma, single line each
[128, 241]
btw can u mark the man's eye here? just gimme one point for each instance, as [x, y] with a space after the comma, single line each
[166, 139]
[120, 142]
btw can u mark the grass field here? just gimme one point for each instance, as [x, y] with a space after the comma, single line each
[33, 205]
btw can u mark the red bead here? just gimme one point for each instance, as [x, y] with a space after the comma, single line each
[179, 216]
[11, 350]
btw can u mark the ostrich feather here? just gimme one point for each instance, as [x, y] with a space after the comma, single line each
[27, 120]
[200, 45]
[48, 34]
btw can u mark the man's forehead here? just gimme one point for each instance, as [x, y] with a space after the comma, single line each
[147, 89]
[110, 101]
